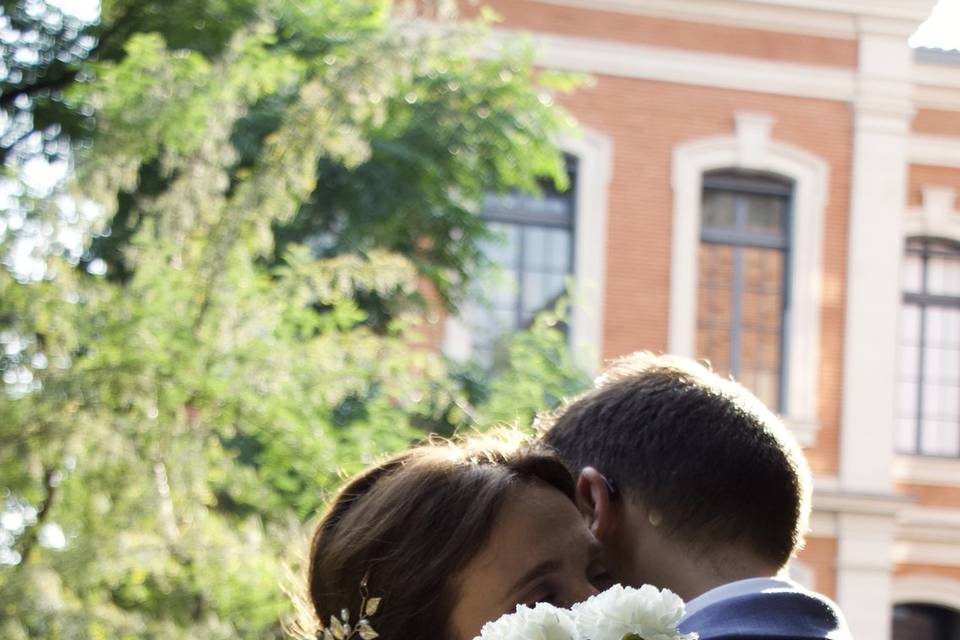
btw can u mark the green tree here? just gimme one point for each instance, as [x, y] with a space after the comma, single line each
[216, 324]
[427, 129]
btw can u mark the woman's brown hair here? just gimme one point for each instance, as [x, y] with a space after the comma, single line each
[404, 529]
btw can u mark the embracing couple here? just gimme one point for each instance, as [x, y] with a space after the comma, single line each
[664, 474]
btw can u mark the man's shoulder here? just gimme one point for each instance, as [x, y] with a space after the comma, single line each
[773, 613]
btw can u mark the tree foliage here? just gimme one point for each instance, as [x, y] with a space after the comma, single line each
[208, 322]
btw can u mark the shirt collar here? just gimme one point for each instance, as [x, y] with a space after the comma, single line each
[735, 589]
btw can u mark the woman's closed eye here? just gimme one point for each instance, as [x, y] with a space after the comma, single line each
[542, 592]
[601, 579]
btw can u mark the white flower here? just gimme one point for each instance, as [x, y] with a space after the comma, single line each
[621, 612]
[542, 622]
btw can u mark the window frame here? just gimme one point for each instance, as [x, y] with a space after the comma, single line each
[754, 183]
[751, 147]
[923, 301]
[594, 153]
[523, 221]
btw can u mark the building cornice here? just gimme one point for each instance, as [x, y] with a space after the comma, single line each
[944, 552]
[928, 524]
[825, 18]
[936, 85]
[873, 504]
[937, 151]
[926, 588]
[910, 469]
[588, 55]
[927, 535]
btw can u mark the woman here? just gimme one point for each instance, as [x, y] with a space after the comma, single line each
[450, 537]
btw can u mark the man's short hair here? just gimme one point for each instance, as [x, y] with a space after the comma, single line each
[700, 449]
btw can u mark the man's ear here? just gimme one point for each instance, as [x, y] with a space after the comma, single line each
[594, 502]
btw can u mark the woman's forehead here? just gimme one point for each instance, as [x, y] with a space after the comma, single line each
[534, 523]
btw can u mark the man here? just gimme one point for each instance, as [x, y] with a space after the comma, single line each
[692, 484]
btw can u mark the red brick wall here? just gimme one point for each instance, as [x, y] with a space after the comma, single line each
[928, 569]
[931, 495]
[430, 332]
[922, 175]
[937, 122]
[646, 120]
[821, 555]
[760, 316]
[679, 34]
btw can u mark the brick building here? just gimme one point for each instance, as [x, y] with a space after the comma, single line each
[772, 184]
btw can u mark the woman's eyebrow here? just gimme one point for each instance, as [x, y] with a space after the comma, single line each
[538, 571]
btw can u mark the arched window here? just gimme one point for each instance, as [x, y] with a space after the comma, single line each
[744, 279]
[925, 622]
[542, 228]
[532, 258]
[784, 190]
[929, 367]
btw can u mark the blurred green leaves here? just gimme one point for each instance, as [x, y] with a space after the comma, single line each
[276, 188]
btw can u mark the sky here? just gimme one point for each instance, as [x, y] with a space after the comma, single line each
[942, 30]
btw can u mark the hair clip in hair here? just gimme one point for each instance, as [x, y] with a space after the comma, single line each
[342, 629]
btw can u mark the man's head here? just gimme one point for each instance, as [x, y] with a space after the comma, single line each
[687, 478]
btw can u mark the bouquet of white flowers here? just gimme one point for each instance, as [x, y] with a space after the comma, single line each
[619, 613]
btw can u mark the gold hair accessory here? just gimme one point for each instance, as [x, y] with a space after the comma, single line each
[655, 518]
[342, 629]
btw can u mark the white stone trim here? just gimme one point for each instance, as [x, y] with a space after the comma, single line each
[943, 99]
[594, 153]
[662, 64]
[457, 339]
[936, 218]
[823, 524]
[832, 18]
[936, 74]
[751, 148]
[938, 151]
[943, 472]
[917, 523]
[936, 86]
[803, 573]
[864, 567]
[881, 117]
[945, 554]
[841, 503]
[926, 589]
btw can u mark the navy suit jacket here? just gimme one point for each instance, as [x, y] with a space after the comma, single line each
[792, 613]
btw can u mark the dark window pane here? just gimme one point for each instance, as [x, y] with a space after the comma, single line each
[503, 249]
[551, 208]
[715, 317]
[765, 215]
[911, 275]
[761, 323]
[547, 249]
[531, 257]
[719, 210]
[925, 622]
[943, 275]
[742, 281]
[928, 406]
